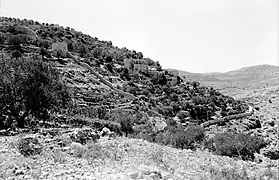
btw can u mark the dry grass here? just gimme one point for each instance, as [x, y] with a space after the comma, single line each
[117, 157]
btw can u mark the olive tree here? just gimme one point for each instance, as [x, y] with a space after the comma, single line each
[29, 87]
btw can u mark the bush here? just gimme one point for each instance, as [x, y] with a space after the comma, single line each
[43, 44]
[83, 50]
[14, 40]
[180, 137]
[234, 144]
[29, 146]
[228, 173]
[30, 87]
[125, 119]
[188, 137]
[16, 54]
[126, 126]
[2, 39]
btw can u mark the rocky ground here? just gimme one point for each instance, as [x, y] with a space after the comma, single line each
[265, 99]
[120, 158]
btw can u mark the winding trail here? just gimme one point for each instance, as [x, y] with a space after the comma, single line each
[227, 118]
[86, 66]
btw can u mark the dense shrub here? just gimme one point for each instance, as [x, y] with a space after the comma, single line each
[83, 50]
[14, 40]
[2, 39]
[126, 126]
[125, 119]
[43, 44]
[44, 53]
[29, 146]
[30, 87]
[180, 137]
[159, 79]
[186, 138]
[234, 144]
[16, 54]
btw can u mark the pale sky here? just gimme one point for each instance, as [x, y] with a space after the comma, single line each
[190, 35]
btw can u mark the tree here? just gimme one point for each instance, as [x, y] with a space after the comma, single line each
[125, 119]
[15, 41]
[83, 50]
[2, 39]
[30, 87]
[186, 138]
[16, 54]
[195, 84]
[43, 53]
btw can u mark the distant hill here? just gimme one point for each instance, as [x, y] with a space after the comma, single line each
[247, 77]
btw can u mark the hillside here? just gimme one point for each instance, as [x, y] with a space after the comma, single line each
[115, 92]
[157, 90]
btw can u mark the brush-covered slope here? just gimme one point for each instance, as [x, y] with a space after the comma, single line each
[155, 105]
[158, 92]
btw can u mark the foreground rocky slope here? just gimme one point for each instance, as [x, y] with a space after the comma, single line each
[121, 158]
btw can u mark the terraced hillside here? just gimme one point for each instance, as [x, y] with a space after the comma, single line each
[157, 90]
[110, 99]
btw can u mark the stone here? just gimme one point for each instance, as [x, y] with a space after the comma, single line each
[158, 123]
[19, 172]
[155, 176]
[133, 175]
[105, 131]
[83, 135]
[150, 170]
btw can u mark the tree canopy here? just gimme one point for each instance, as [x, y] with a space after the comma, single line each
[29, 87]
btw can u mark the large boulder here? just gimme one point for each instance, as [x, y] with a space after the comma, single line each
[158, 123]
[83, 135]
[106, 132]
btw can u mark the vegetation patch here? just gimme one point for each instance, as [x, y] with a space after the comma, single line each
[234, 144]
[29, 146]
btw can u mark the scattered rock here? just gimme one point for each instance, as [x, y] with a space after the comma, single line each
[19, 172]
[150, 171]
[133, 175]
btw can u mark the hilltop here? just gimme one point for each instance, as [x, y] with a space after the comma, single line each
[115, 92]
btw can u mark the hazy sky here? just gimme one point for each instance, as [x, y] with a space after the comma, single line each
[190, 35]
